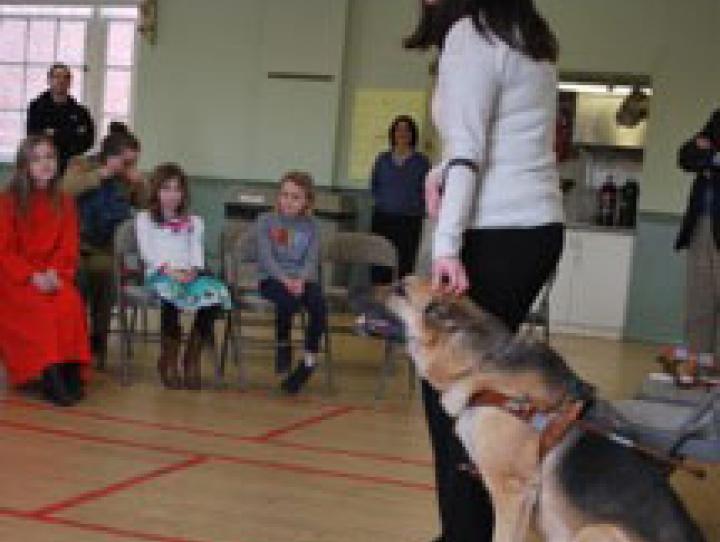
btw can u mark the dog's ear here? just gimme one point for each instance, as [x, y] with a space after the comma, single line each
[443, 314]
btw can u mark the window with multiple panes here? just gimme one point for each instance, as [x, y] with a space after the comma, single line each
[97, 43]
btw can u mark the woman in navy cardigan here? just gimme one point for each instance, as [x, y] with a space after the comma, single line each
[397, 184]
[700, 235]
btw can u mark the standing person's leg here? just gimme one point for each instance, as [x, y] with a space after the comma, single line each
[286, 305]
[700, 325]
[507, 268]
[313, 301]
[407, 242]
[382, 224]
[441, 430]
[716, 297]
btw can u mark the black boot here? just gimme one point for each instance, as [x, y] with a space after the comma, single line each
[73, 380]
[54, 386]
[192, 358]
[168, 362]
[298, 378]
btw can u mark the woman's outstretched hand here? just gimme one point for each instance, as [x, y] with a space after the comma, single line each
[449, 276]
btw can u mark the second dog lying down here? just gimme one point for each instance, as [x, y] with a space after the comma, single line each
[584, 488]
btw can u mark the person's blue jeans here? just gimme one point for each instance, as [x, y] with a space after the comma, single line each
[287, 305]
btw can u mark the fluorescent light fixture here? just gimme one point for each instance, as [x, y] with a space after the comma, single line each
[596, 88]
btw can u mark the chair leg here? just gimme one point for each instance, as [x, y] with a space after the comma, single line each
[386, 371]
[412, 379]
[146, 332]
[238, 354]
[125, 347]
[225, 341]
[217, 360]
[329, 376]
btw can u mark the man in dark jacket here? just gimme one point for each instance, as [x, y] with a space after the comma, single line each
[59, 115]
[700, 235]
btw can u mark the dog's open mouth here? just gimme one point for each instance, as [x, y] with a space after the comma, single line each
[376, 320]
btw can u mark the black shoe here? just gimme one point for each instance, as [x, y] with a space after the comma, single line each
[283, 359]
[73, 381]
[54, 386]
[297, 379]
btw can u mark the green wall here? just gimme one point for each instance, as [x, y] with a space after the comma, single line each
[675, 43]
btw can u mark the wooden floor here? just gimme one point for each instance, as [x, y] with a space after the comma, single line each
[146, 464]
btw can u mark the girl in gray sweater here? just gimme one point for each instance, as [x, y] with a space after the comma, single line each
[288, 262]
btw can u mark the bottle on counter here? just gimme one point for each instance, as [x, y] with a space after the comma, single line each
[607, 203]
[627, 207]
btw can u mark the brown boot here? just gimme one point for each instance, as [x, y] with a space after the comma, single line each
[168, 362]
[191, 361]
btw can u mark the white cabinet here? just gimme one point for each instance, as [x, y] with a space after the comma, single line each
[591, 287]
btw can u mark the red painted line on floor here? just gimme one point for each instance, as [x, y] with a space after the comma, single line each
[80, 412]
[93, 527]
[315, 401]
[270, 465]
[325, 473]
[304, 424]
[94, 439]
[97, 494]
[356, 454]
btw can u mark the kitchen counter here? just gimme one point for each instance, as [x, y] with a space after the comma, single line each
[589, 226]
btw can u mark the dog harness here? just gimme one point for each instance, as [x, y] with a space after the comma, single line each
[552, 421]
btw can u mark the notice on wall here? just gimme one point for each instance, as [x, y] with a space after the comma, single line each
[373, 112]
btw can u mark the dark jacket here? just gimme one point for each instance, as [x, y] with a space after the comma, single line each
[74, 130]
[706, 164]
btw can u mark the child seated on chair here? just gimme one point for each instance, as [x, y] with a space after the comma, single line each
[43, 332]
[288, 263]
[170, 241]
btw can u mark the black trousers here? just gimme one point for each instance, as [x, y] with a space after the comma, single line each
[286, 305]
[507, 268]
[402, 231]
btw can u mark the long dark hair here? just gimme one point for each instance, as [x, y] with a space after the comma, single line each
[407, 119]
[21, 185]
[516, 22]
[119, 139]
[162, 175]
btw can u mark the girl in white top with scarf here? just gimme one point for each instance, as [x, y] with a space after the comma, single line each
[495, 194]
[171, 247]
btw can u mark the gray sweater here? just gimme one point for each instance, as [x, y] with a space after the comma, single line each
[288, 247]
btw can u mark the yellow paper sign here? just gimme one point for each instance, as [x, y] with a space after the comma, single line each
[373, 112]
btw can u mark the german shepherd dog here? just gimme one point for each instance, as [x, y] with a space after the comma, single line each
[586, 488]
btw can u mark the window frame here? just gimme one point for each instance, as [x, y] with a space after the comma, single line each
[95, 66]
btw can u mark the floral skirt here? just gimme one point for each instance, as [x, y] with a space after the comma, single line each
[204, 291]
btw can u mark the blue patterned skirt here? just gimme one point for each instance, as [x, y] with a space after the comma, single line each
[204, 291]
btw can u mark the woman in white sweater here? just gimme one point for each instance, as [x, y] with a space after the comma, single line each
[495, 194]
[171, 247]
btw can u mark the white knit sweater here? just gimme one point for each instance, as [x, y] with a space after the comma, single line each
[162, 246]
[497, 107]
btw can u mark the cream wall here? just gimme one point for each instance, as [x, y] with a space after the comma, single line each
[205, 53]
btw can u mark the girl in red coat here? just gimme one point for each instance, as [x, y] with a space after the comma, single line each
[43, 332]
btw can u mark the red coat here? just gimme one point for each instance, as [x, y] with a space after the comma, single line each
[38, 329]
